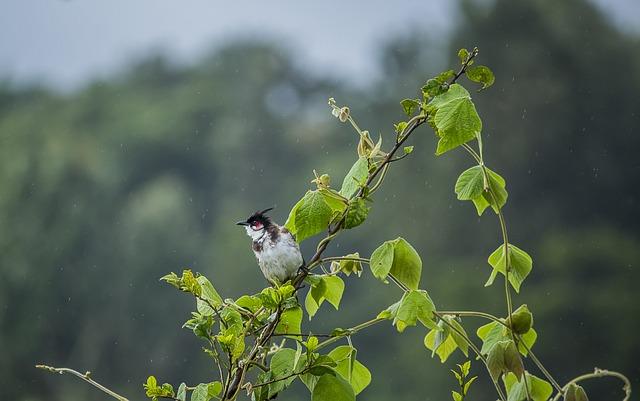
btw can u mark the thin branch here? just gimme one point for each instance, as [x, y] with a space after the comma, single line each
[258, 364]
[484, 315]
[293, 374]
[303, 335]
[599, 373]
[350, 331]
[462, 69]
[86, 377]
[540, 366]
[399, 158]
[473, 153]
[339, 258]
[375, 186]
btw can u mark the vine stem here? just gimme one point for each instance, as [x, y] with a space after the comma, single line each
[503, 228]
[596, 374]
[86, 377]
[350, 331]
[339, 258]
[539, 364]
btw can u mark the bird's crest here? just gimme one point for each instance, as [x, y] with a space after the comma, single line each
[261, 217]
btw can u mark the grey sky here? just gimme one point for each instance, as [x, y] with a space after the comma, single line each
[65, 43]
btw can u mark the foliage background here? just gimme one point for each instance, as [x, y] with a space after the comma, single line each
[109, 187]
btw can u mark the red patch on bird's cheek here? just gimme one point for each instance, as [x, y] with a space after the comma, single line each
[257, 226]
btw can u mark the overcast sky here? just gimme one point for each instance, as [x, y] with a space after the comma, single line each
[65, 43]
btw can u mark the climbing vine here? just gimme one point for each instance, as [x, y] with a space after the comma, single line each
[257, 342]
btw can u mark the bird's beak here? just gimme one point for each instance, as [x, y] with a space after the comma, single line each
[242, 223]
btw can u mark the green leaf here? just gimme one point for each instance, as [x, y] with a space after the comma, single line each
[456, 396]
[456, 120]
[315, 296]
[332, 388]
[575, 392]
[409, 106]
[522, 320]
[528, 339]
[290, 321]
[400, 126]
[444, 347]
[323, 287]
[512, 360]
[335, 288]
[415, 305]
[400, 259]
[481, 74]
[390, 312]
[200, 393]
[348, 266]
[539, 389]
[350, 369]
[249, 302]
[334, 200]
[490, 334]
[407, 149]
[282, 365]
[493, 332]
[481, 204]
[495, 360]
[210, 296]
[151, 382]
[172, 279]
[356, 214]
[458, 338]
[471, 186]
[311, 343]
[182, 392]
[470, 183]
[290, 224]
[382, 260]
[520, 265]
[206, 391]
[468, 384]
[503, 357]
[231, 335]
[407, 265]
[463, 55]
[311, 216]
[154, 391]
[437, 85]
[355, 177]
[498, 195]
[186, 283]
[465, 367]
[443, 342]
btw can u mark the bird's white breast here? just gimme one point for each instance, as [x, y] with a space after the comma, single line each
[279, 261]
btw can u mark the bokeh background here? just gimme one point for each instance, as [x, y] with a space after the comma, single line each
[133, 136]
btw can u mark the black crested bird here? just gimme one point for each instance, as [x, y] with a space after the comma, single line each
[276, 249]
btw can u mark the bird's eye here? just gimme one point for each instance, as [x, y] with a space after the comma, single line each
[256, 226]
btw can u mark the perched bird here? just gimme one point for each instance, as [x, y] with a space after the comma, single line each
[276, 249]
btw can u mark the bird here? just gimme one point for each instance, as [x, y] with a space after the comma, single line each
[275, 247]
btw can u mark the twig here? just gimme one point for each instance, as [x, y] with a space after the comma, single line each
[86, 377]
[599, 373]
[462, 69]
